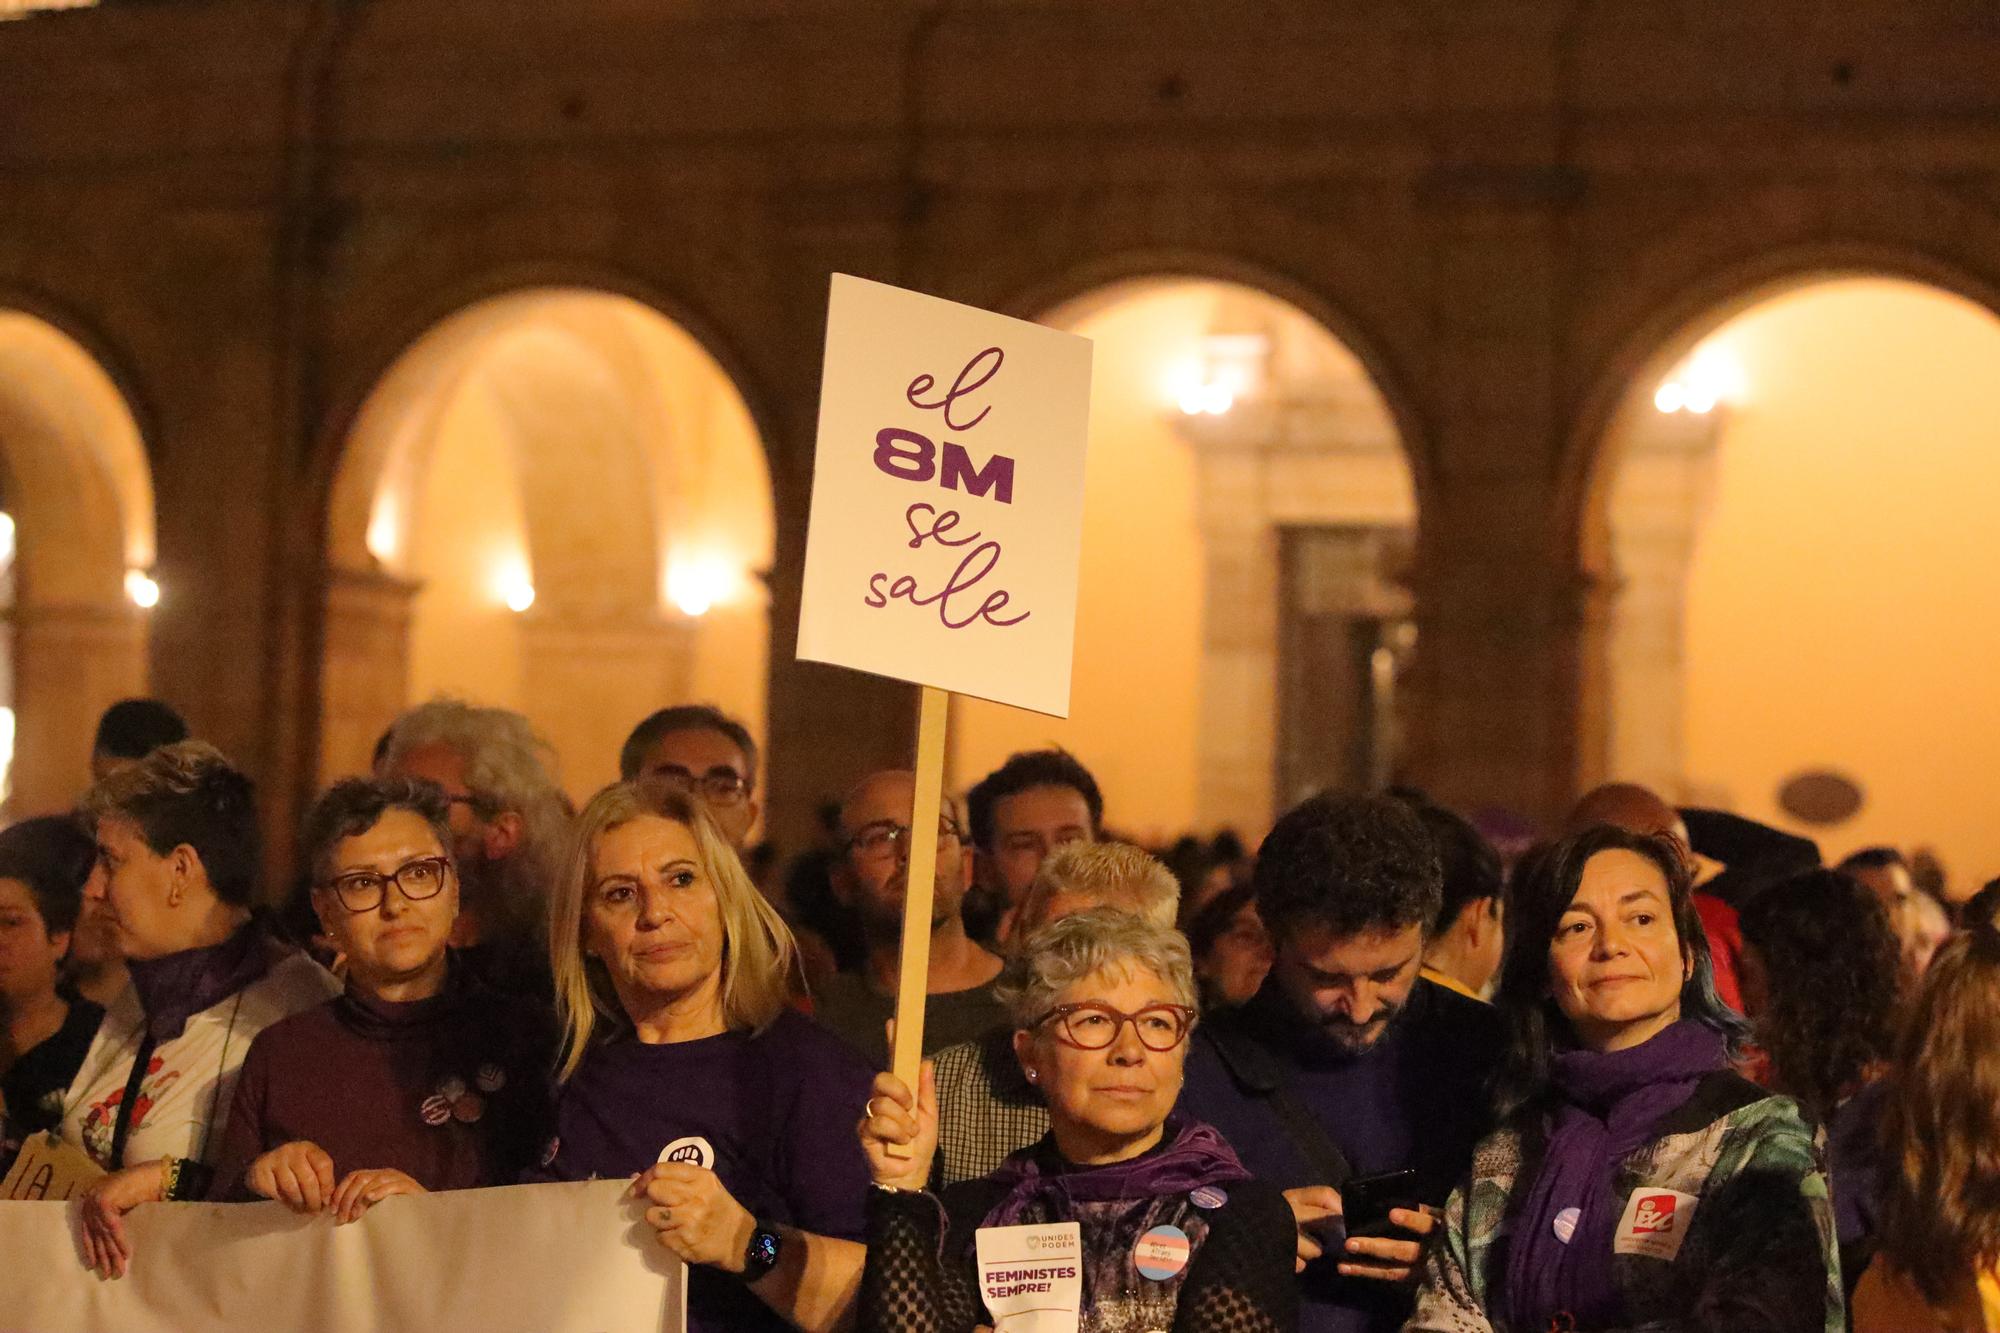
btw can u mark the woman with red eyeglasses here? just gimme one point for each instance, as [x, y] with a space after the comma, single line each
[1170, 1230]
[418, 1077]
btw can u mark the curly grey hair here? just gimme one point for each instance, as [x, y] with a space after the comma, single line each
[507, 767]
[1063, 953]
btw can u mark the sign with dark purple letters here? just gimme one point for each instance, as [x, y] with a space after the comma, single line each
[947, 506]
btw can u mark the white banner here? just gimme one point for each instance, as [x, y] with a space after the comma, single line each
[524, 1259]
[947, 506]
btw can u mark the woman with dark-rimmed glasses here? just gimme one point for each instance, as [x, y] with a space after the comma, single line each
[1172, 1231]
[416, 1078]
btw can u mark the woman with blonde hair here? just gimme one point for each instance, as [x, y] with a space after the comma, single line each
[684, 1065]
[1937, 1265]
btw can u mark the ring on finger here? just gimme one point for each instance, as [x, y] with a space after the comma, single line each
[869, 1109]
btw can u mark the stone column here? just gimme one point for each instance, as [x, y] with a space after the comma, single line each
[365, 666]
[71, 662]
[589, 678]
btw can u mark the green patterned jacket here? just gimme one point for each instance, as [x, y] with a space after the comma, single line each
[1726, 1224]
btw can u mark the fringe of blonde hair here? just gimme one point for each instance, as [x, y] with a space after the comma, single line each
[757, 946]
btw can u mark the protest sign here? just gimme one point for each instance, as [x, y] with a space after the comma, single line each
[48, 1168]
[567, 1258]
[947, 517]
[947, 507]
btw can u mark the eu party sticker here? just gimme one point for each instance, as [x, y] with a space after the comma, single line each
[1655, 1223]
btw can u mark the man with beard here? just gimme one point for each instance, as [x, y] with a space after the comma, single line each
[508, 824]
[1347, 1063]
[871, 877]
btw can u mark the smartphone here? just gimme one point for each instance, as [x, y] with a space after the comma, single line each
[1365, 1202]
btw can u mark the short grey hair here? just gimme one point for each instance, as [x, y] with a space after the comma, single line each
[1115, 872]
[1064, 952]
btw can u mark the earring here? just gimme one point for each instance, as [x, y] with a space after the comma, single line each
[1032, 1076]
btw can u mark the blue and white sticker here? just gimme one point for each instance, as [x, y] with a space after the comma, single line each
[1161, 1253]
[1565, 1224]
[1208, 1196]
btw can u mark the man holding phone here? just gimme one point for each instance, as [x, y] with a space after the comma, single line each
[1348, 1080]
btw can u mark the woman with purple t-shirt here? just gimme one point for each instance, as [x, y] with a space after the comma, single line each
[685, 1066]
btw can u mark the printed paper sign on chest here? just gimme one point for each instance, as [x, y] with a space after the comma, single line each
[947, 506]
[1655, 1223]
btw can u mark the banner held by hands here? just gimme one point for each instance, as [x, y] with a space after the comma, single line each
[947, 520]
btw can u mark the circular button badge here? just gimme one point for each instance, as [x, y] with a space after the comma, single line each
[693, 1150]
[1161, 1253]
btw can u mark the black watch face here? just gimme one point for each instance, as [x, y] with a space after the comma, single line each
[763, 1250]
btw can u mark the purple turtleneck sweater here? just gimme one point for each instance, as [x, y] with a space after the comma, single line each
[453, 1091]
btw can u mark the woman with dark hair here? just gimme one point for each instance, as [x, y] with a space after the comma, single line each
[418, 1077]
[1938, 1263]
[43, 1032]
[1232, 950]
[1820, 982]
[1636, 1181]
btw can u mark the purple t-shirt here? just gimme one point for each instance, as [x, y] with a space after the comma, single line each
[775, 1112]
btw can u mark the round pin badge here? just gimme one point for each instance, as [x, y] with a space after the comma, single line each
[467, 1109]
[1565, 1223]
[1161, 1253]
[491, 1078]
[435, 1110]
[693, 1150]
[452, 1089]
[1208, 1196]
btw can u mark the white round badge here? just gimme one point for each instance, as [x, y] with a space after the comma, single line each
[693, 1150]
[1565, 1223]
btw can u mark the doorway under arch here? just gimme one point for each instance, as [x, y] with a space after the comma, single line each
[555, 501]
[1242, 619]
[1790, 504]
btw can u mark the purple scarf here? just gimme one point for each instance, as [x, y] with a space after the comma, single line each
[173, 989]
[1190, 1154]
[1607, 1104]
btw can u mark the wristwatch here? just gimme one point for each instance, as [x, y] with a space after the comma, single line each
[760, 1256]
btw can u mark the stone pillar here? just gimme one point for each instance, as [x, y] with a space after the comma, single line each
[1659, 495]
[365, 666]
[71, 662]
[589, 678]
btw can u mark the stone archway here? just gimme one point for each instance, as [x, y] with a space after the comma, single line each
[1849, 459]
[554, 501]
[75, 483]
[1247, 454]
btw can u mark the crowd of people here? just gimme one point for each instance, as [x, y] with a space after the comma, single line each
[1662, 1069]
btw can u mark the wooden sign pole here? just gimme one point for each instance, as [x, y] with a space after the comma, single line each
[913, 978]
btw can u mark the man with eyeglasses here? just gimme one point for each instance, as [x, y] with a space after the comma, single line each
[1347, 1063]
[508, 822]
[872, 876]
[708, 752]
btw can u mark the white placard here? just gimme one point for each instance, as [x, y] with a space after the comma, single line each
[947, 507]
[566, 1258]
[1031, 1278]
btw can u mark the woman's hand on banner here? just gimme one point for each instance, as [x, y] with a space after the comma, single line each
[106, 1249]
[894, 1117]
[695, 1215]
[298, 1174]
[361, 1190]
